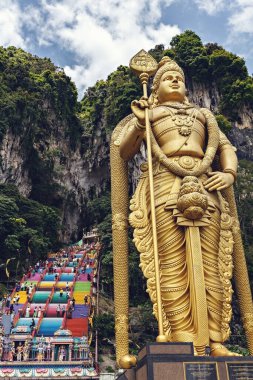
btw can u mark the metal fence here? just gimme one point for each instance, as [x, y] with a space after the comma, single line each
[107, 376]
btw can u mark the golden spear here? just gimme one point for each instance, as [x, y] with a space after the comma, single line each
[145, 65]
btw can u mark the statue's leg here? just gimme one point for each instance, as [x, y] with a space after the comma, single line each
[174, 276]
[217, 308]
[176, 299]
[210, 237]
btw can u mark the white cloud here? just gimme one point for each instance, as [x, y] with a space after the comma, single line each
[100, 34]
[241, 21]
[11, 24]
[239, 13]
[211, 6]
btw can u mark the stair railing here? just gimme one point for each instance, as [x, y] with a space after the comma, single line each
[43, 313]
[13, 293]
[14, 290]
[48, 299]
[15, 319]
[68, 303]
[36, 330]
[63, 325]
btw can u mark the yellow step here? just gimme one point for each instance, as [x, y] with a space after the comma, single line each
[23, 296]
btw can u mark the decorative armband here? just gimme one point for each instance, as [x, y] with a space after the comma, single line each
[139, 126]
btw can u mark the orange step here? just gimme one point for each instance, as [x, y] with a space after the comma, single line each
[78, 326]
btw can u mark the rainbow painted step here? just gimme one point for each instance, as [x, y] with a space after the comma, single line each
[81, 286]
[78, 326]
[22, 296]
[49, 326]
[67, 277]
[26, 321]
[57, 298]
[41, 296]
[52, 310]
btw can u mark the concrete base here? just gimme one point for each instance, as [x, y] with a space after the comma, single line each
[176, 361]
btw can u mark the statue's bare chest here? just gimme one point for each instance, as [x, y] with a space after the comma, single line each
[182, 128]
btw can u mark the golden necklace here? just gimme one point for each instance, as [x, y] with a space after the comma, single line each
[181, 119]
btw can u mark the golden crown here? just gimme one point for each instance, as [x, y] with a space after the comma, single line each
[166, 64]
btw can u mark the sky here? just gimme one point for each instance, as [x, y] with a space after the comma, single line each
[91, 38]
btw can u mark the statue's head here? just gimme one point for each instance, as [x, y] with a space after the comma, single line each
[169, 82]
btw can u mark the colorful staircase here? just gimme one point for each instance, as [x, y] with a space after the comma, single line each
[46, 295]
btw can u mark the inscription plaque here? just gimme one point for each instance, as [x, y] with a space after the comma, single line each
[240, 371]
[200, 371]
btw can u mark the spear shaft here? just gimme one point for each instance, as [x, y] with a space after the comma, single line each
[161, 337]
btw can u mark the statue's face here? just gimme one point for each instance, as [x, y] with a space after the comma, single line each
[171, 87]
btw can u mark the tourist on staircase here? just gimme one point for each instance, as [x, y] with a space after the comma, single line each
[58, 310]
[27, 312]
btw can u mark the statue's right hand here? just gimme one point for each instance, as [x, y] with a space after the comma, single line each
[138, 108]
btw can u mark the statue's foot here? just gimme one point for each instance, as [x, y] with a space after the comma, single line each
[127, 361]
[199, 350]
[217, 349]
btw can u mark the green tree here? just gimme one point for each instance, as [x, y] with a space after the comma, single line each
[191, 55]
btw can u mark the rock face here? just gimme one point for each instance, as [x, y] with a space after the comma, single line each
[241, 134]
[78, 179]
[12, 168]
[203, 96]
[74, 173]
[84, 171]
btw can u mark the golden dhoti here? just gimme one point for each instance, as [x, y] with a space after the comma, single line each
[216, 248]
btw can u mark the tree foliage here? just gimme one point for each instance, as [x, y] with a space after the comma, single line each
[106, 103]
[28, 84]
[213, 65]
[28, 229]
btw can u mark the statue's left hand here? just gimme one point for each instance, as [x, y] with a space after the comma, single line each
[218, 181]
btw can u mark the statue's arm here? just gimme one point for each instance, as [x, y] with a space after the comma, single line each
[135, 132]
[131, 140]
[220, 180]
[228, 158]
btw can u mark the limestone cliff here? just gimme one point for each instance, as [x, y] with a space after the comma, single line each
[241, 133]
[74, 175]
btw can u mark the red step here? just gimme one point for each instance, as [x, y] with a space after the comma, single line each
[78, 326]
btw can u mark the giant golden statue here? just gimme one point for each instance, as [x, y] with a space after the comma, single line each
[188, 262]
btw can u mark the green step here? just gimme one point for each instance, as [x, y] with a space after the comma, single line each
[57, 299]
[40, 297]
[82, 286]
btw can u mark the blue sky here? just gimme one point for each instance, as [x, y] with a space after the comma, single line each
[91, 38]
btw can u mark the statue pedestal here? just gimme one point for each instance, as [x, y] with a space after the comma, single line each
[175, 361]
